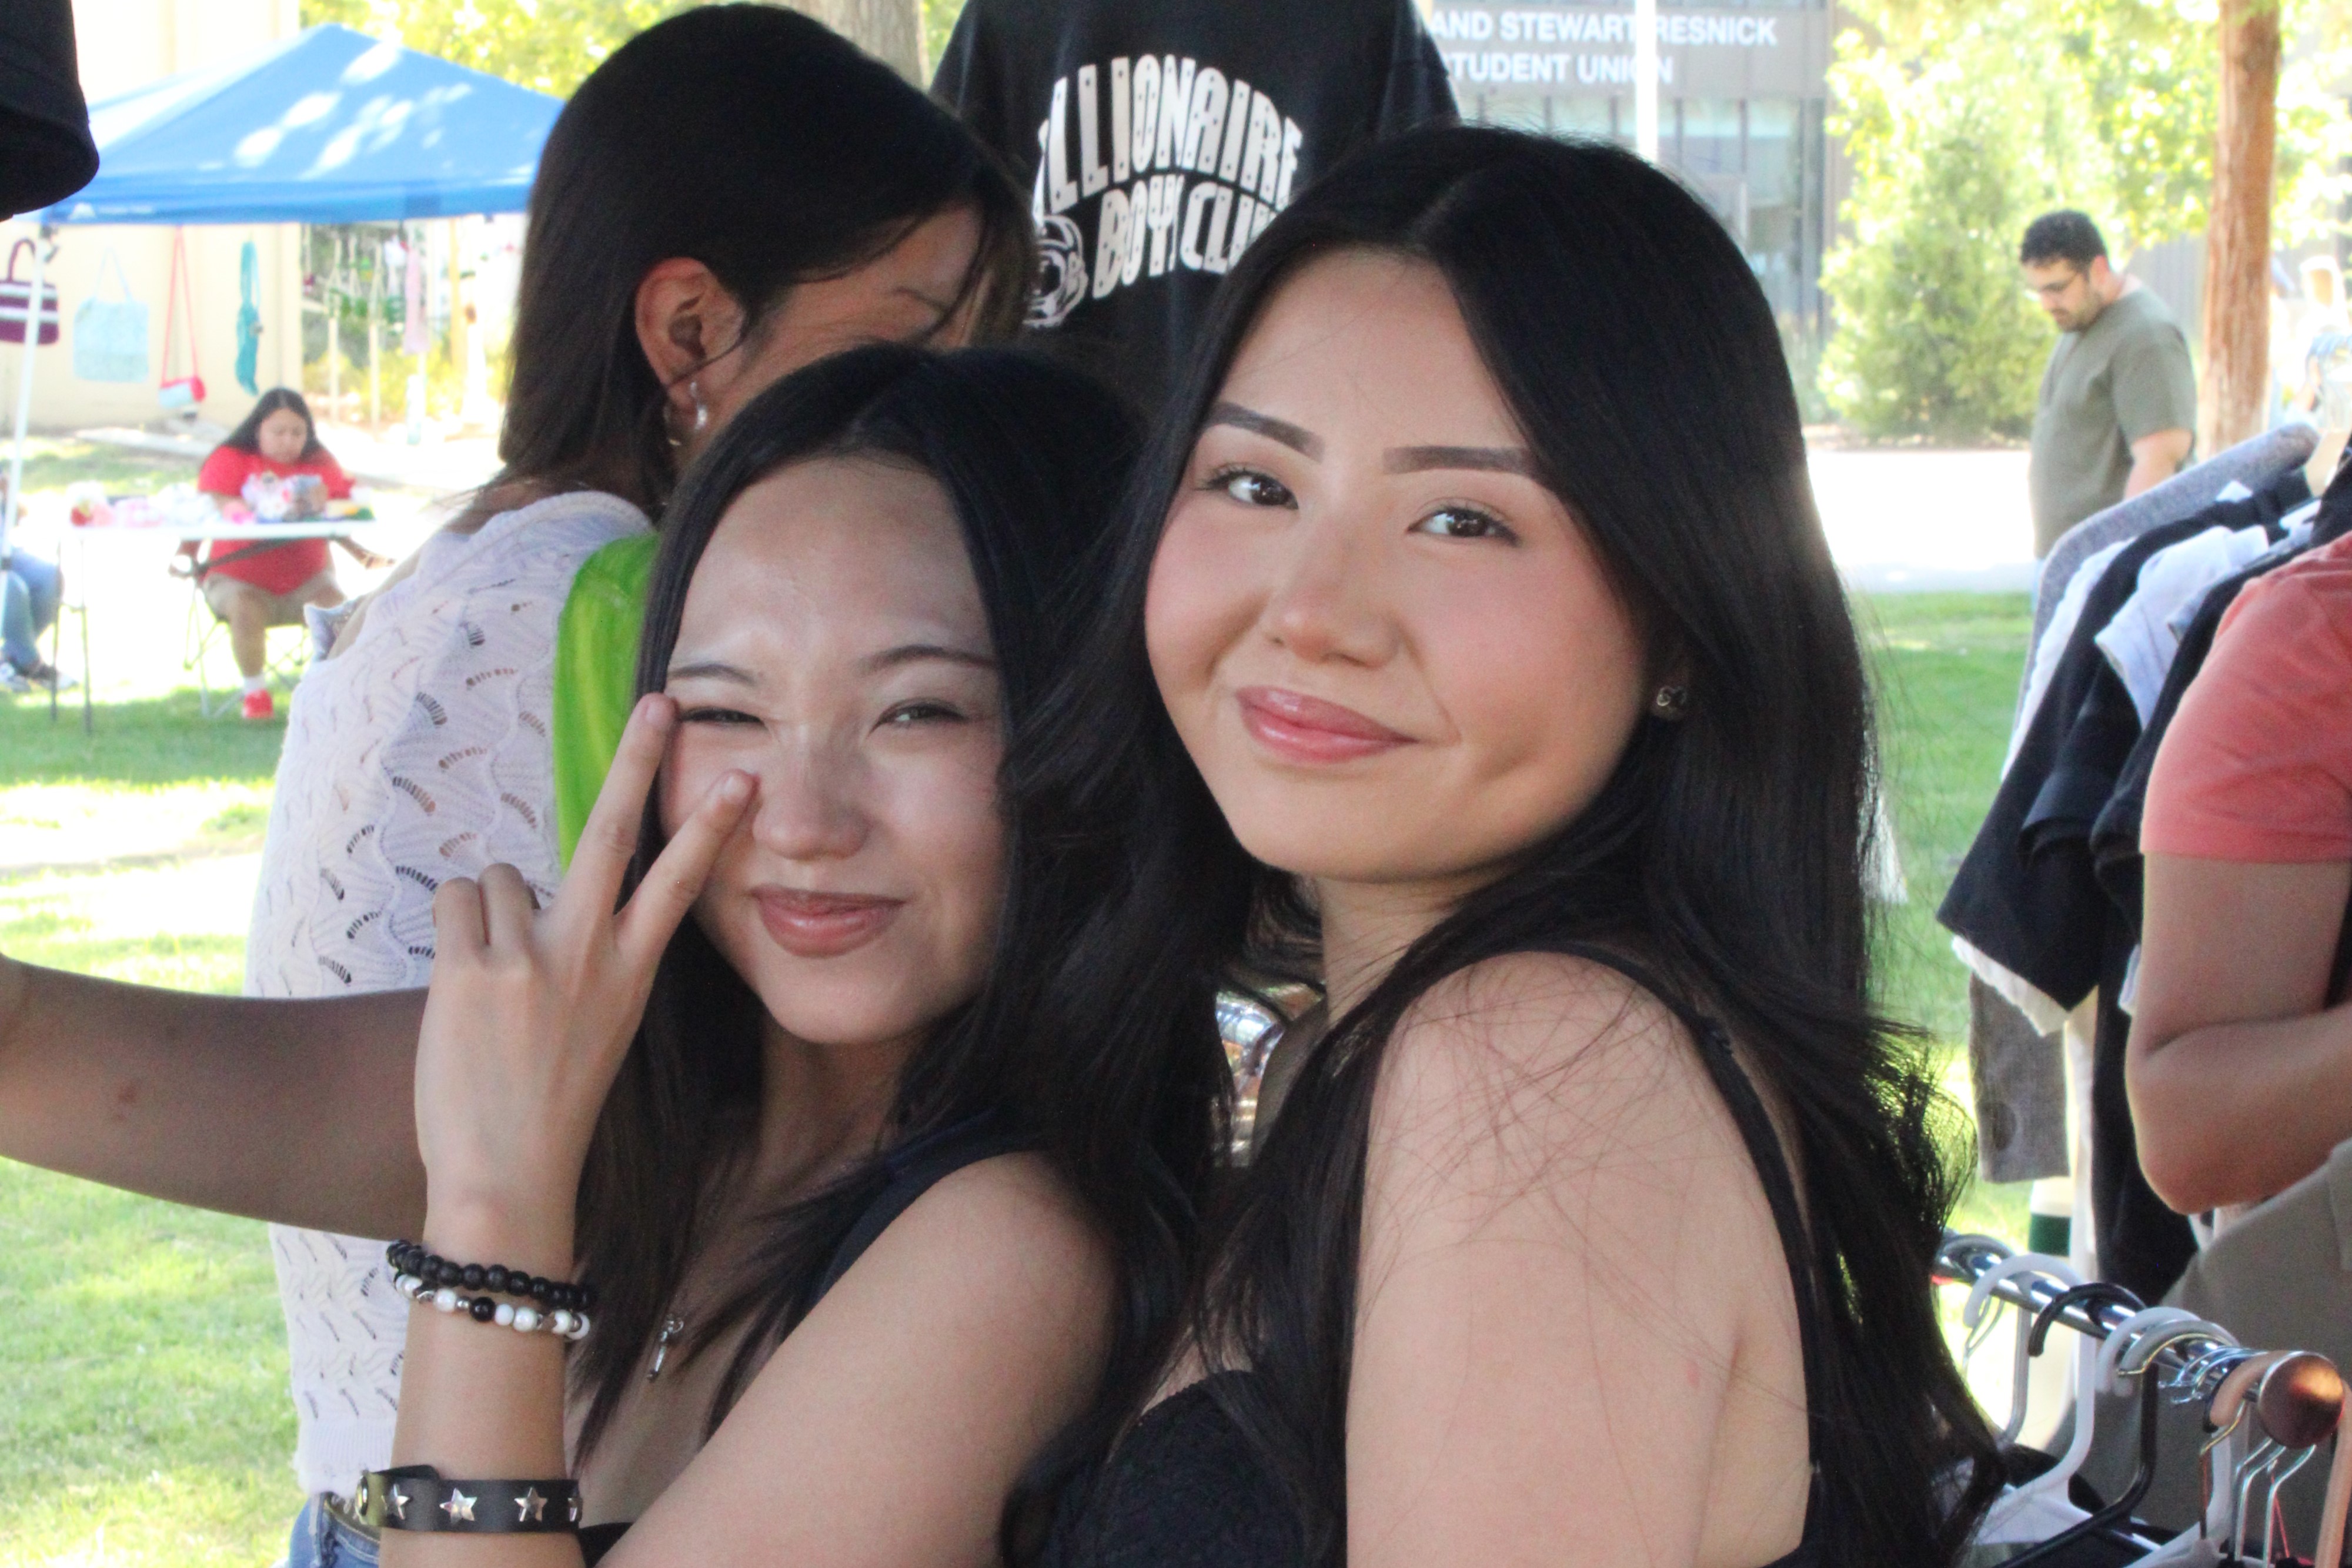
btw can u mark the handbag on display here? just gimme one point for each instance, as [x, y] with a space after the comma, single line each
[109, 341]
[17, 302]
[180, 391]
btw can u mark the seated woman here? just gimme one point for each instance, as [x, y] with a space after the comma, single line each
[1476, 654]
[268, 582]
[882, 1196]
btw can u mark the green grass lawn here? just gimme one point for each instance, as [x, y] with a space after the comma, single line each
[143, 1416]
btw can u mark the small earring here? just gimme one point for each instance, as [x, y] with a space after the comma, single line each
[701, 409]
[1670, 702]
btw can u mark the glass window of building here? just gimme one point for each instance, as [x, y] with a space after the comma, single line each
[1742, 93]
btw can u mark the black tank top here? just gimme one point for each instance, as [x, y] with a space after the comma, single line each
[1185, 1489]
[914, 1168]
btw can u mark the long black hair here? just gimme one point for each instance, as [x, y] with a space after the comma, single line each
[1032, 456]
[247, 436]
[748, 138]
[1630, 342]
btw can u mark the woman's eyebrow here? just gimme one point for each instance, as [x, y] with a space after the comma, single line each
[916, 652]
[1490, 459]
[713, 670]
[1304, 442]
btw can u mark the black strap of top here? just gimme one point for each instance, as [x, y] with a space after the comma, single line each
[914, 1167]
[1763, 1141]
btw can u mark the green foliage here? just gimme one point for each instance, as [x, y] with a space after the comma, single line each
[544, 45]
[1956, 142]
[1966, 117]
[938, 26]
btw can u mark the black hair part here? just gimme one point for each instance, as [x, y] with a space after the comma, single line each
[1032, 455]
[752, 139]
[2068, 236]
[247, 436]
[1725, 853]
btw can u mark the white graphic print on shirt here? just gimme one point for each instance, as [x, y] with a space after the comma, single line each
[1184, 165]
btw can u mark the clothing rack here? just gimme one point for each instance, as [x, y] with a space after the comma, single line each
[2295, 1397]
[1963, 1259]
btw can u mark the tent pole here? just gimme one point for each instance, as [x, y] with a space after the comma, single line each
[24, 395]
[376, 337]
[334, 292]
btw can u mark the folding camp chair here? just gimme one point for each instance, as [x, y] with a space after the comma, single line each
[287, 656]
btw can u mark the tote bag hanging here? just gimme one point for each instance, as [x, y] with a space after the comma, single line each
[110, 335]
[180, 391]
[17, 302]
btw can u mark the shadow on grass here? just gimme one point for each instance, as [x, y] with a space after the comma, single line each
[150, 741]
[53, 464]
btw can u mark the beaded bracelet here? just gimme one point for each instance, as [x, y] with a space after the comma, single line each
[562, 1323]
[409, 1258]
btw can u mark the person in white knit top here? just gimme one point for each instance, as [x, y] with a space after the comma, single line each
[699, 228]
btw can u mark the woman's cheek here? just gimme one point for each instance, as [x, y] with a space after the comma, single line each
[1187, 602]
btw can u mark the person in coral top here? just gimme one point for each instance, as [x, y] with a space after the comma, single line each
[256, 586]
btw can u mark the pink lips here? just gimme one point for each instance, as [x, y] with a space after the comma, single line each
[823, 924]
[1300, 729]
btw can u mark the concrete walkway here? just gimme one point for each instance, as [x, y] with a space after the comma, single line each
[1917, 520]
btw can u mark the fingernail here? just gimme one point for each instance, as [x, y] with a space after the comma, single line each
[735, 789]
[657, 709]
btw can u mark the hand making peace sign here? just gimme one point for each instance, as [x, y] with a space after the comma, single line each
[531, 1011]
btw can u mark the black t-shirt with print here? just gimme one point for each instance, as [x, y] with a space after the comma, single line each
[1160, 136]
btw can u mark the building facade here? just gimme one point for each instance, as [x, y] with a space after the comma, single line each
[1742, 98]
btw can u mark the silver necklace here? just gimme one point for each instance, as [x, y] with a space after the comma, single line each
[671, 1328]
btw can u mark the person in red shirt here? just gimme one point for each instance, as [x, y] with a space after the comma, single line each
[2241, 1056]
[266, 583]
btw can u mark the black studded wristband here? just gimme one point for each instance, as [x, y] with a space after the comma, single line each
[416, 1498]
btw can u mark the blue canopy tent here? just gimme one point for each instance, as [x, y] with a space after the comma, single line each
[327, 127]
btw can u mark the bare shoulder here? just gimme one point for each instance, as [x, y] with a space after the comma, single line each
[1547, 1046]
[1008, 1227]
[1549, 1101]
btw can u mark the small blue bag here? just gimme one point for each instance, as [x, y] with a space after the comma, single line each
[110, 336]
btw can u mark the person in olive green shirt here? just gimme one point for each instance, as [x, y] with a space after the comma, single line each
[2119, 406]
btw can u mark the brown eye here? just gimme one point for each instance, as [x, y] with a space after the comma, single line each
[1253, 488]
[1464, 523]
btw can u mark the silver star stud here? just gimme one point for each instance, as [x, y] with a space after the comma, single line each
[399, 1503]
[459, 1506]
[529, 1508]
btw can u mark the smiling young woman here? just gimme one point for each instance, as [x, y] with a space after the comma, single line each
[1475, 615]
[803, 1074]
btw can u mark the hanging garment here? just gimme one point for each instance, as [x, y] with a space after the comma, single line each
[249, 320]
[110, 336]
[180, 391]
[2016, 1056]
[2141, 640]
[2253, 463]
[17, 302]
[2027, 908]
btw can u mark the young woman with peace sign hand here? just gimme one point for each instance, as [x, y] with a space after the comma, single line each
[796, 1113]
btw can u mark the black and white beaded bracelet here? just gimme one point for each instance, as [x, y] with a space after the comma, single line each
[562, 1323]
[551, 1295]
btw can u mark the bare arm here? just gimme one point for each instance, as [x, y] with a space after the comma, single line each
[299, 1112]
[906, 1405]
[1577, 1341]
[2156, 457]
[2241, 1084]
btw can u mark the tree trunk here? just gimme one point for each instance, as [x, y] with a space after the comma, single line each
[892, 31]
[2237, 322]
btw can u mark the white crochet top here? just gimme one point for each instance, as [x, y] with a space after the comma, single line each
[418, 753]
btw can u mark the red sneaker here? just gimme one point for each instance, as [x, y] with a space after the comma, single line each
[258, 705]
